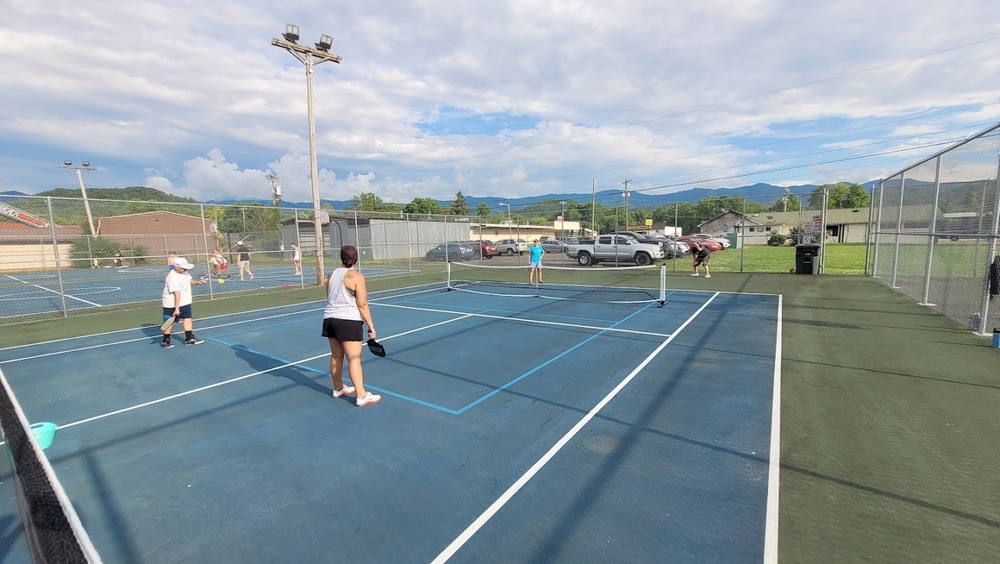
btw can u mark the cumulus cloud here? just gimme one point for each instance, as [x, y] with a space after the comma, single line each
[499, 98]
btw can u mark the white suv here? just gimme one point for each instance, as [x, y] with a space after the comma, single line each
[511, 246]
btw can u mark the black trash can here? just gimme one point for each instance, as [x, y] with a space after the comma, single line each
[807, 258]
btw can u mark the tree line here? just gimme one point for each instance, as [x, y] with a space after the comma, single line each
[687, 215]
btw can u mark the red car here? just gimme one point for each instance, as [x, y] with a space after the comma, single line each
[484, 248]
[708, 243]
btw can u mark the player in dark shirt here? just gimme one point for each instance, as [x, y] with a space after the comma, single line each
[701, 255]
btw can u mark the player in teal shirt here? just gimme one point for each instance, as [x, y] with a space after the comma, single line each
[536, 262]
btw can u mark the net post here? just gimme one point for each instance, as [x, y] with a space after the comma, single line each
[663, 285]
[447, 267]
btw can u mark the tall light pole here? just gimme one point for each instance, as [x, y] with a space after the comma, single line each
[562, 228]
[625, 193]
[510, 232]
[306, 56]
[83, 190]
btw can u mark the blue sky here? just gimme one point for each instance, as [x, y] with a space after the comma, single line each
[505, 98]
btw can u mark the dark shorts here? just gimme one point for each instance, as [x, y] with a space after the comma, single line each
[168, 312]
[343, 329]
[698, 261]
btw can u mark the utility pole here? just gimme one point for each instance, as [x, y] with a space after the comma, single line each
[83, 191]
[562, 228]
[625, 193]
[306, 55]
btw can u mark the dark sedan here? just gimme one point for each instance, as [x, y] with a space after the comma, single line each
[451, 251]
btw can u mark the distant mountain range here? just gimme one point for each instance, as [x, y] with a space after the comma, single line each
[760, 192]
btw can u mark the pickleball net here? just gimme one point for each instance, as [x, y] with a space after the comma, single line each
[617, 285]
[52, 529]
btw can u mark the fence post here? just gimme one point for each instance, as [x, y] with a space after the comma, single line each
[822, 229]
[55, 251]
[933, 229]
[899, 228]
[992, 254]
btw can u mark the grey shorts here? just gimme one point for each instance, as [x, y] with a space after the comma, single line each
[343, 329]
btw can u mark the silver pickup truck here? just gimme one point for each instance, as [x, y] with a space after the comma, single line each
[615, 248]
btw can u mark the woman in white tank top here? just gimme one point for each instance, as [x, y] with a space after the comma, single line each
[345, 312]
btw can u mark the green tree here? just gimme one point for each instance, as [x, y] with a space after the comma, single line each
[368, 201]
[423, 206]
[841, 195]
[458, 206]
[483, 209]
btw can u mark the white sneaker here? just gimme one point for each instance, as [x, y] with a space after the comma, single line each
[369, 399]
[708, 276]
[345, 391]
[695, 274]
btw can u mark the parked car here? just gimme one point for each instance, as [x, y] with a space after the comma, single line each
[672, 248]
[681, 245]
[668, 251]
[553, 246]
[616, 248]
[720, 240]
[484, 248]
[709, 243]
[457, 250]
[512, 246]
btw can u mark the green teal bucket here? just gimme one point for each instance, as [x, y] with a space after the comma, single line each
[45, 433]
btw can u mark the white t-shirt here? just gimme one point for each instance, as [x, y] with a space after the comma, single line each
[176, 282]
[295, 254]
[340, 302]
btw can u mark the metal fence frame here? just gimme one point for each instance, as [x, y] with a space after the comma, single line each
[922, 247]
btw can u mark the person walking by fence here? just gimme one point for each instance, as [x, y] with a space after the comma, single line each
[243, 259]
[296, 258]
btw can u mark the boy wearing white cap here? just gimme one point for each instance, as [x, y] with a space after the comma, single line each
[177, 301]
[243, 259]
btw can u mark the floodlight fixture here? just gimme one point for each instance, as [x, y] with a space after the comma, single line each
[325, 42]
[86, 163]
[291, 33]
[67, 163]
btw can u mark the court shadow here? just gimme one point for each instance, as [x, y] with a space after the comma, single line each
[151, 330]
[262, 362]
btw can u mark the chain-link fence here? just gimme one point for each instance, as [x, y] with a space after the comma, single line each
[51, 264]
[936, 229]
[51, 261]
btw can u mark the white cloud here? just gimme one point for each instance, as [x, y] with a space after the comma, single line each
[190, 97]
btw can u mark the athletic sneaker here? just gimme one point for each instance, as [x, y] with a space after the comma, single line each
[166, 345]
[345, 391]
[369, 399]
[193, 341]
[695, 274]
[708, 276]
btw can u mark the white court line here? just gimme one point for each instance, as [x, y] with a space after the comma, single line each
[146, 338]
[129, 330]
[53, 291]
[472, 529]
[774, 464]
[238, 378]
[519, 320]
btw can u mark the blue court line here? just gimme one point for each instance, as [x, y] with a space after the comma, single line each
[434, 406]
[308, 368]
[550, 361]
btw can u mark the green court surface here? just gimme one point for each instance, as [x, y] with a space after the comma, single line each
[890, 426]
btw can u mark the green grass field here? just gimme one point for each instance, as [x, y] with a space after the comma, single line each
[840, 258]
